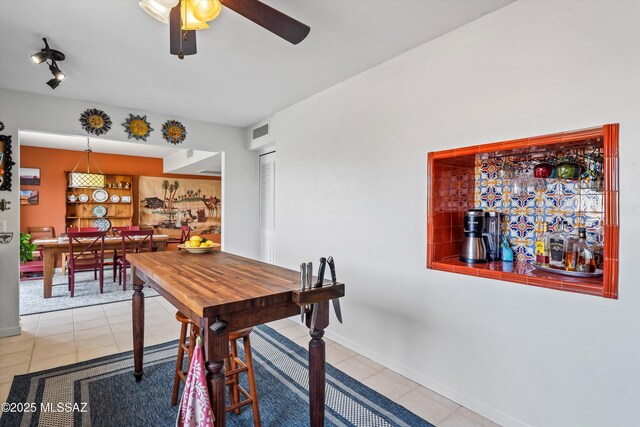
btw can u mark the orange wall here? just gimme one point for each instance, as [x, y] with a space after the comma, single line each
[53, 163]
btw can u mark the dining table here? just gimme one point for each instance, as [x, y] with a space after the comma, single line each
[52, 247]
[223, 292]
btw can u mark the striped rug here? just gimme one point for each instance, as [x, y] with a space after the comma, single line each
[103, 392]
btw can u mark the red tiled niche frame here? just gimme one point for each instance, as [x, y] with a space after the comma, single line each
[447, 201]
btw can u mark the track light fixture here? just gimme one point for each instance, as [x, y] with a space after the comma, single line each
[53, 56]
[53, 67]
[53, 83]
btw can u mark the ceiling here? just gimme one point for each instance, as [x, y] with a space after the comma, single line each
[212, 163]
[242, 74]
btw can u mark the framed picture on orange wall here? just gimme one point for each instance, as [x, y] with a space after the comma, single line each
[29, 176]
[28, 197]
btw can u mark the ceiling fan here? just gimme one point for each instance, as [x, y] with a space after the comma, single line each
[185, 17]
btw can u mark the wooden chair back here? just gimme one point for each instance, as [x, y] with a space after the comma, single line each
[82, 229]
[186, 233]
[139, 239]
[117, 230]
[86, 244]
[41, 232]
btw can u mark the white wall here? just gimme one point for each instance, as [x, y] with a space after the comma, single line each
[180, 159]
[352, 183]
[24, 111]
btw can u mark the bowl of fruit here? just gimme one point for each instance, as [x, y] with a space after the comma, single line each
[198, 245]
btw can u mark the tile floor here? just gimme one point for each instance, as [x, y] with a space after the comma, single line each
[63, 337]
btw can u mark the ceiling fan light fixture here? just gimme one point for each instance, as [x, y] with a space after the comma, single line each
[205, 10]
[189, 21]
[157, 9]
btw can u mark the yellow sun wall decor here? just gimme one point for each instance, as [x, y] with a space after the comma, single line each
[137, 127]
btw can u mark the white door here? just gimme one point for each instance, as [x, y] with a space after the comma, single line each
[267, 207]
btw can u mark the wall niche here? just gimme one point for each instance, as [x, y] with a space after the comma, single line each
[499, 177]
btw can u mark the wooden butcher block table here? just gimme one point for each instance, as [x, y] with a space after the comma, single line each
[222, 293]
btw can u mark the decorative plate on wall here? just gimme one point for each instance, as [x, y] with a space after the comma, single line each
[100, 196]
[115, 198]
[95, 122]
[174, 132]
[99, 211]
[83, 198]
[103, 224]
[137, 127]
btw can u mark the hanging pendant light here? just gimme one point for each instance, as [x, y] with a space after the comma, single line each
[205, 10]
[159, 9]
[189, 21]
[88, 179]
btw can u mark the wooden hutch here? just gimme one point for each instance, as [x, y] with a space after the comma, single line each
[83, 208]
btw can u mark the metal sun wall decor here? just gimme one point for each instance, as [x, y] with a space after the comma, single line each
[95, 122]
[137, 127]
[174, 132]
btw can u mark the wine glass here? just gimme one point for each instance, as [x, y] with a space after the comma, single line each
[519, 185]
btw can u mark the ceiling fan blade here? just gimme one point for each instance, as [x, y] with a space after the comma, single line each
[188, 46]
[270, 19]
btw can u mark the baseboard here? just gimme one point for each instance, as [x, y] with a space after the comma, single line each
[452, 394]
[9, 332]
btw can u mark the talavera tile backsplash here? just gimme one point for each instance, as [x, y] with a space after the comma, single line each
[551, 201]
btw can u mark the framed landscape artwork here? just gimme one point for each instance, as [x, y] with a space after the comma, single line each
[170, 203]
[29, 176]
[28, 197]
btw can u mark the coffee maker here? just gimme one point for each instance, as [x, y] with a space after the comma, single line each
[475, 244]
[493, 232]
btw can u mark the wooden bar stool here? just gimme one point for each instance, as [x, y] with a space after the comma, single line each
[234, 367]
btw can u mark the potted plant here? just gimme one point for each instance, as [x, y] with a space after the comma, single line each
[26, 248]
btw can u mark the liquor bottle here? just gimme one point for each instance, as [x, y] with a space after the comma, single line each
[557, 246]
[542, 246]
[571, 251]
[586, 257]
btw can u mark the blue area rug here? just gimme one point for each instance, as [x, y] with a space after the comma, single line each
[87, 292]
[114, 398]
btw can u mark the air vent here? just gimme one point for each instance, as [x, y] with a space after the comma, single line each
[209, 172]
[189, 154]
[261, 131]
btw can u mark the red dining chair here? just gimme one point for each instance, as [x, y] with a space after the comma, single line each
[185, 234]
[36, 265]
[86, 253]
[116, 233]
[65, 256]
[141, 241]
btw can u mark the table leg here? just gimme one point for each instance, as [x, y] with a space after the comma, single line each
[316, 365]
[138, 325]
[48, 263]
[216, 349]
